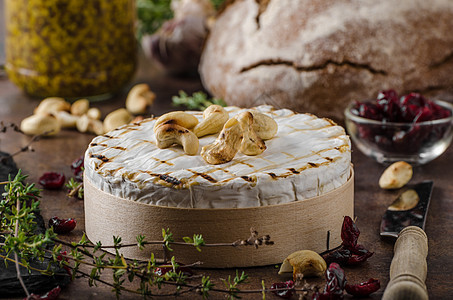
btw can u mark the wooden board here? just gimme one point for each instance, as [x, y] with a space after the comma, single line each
[292, 226]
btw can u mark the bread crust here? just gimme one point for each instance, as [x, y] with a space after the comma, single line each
[318, 55]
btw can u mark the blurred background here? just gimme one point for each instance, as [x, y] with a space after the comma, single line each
[2, 35]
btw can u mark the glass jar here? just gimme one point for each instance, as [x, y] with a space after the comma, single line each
[70, 48]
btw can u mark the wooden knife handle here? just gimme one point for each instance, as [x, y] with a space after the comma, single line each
[408, 267]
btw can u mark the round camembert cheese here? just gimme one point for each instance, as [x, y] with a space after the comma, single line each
[308, 157]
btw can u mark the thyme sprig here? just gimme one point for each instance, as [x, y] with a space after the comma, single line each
[75, 188]
[4, 127]
[198, 100]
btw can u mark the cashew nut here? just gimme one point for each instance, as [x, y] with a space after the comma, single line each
[251, 143]
[52, 105]
[180, 118]
[116, 119]
[396, 175]
[169, 134]
[80, 107]
[304, 263]
[264, 126]
[138, 100]
[45, 124]
[86, 124]
[214, 117]
[94, 113]
[66, 120]
[226, 145]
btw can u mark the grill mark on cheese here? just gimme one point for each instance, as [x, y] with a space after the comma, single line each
[294, 171]
[162, 161]
[119, 148]
[287, 154]
[102, 158]
[203, 175]
[272, 175]
[242, 162]
[294, 158]
[342, 148]
[249, 178]
[167, 178]
[107, 146]
[127, 128]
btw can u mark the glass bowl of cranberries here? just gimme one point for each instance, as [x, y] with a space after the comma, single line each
[390, 128]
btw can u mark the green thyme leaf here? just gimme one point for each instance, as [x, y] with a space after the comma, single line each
[198, 100]
[151, 14]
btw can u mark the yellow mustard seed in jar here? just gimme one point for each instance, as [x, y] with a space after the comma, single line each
[70, 48]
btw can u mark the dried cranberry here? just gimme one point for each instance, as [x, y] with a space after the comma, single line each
[388, 104]
[51, 295]
[349, 232]
[369, 111]
[389, 95]
[340, 255]
[163, 269]
[359, 255]
[349, 253]
[77, 168]
[346, 257]
[52, 180]
[62, 225]
[363, 289]
[283, 289]
[62, 256]
[411, 109]
[415, 99]
[336, 281]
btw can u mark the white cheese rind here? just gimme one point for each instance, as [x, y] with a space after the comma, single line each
[308, 157]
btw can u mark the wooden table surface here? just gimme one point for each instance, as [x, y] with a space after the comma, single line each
[56, 154]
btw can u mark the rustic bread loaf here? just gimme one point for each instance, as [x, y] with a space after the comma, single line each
[318, 55]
